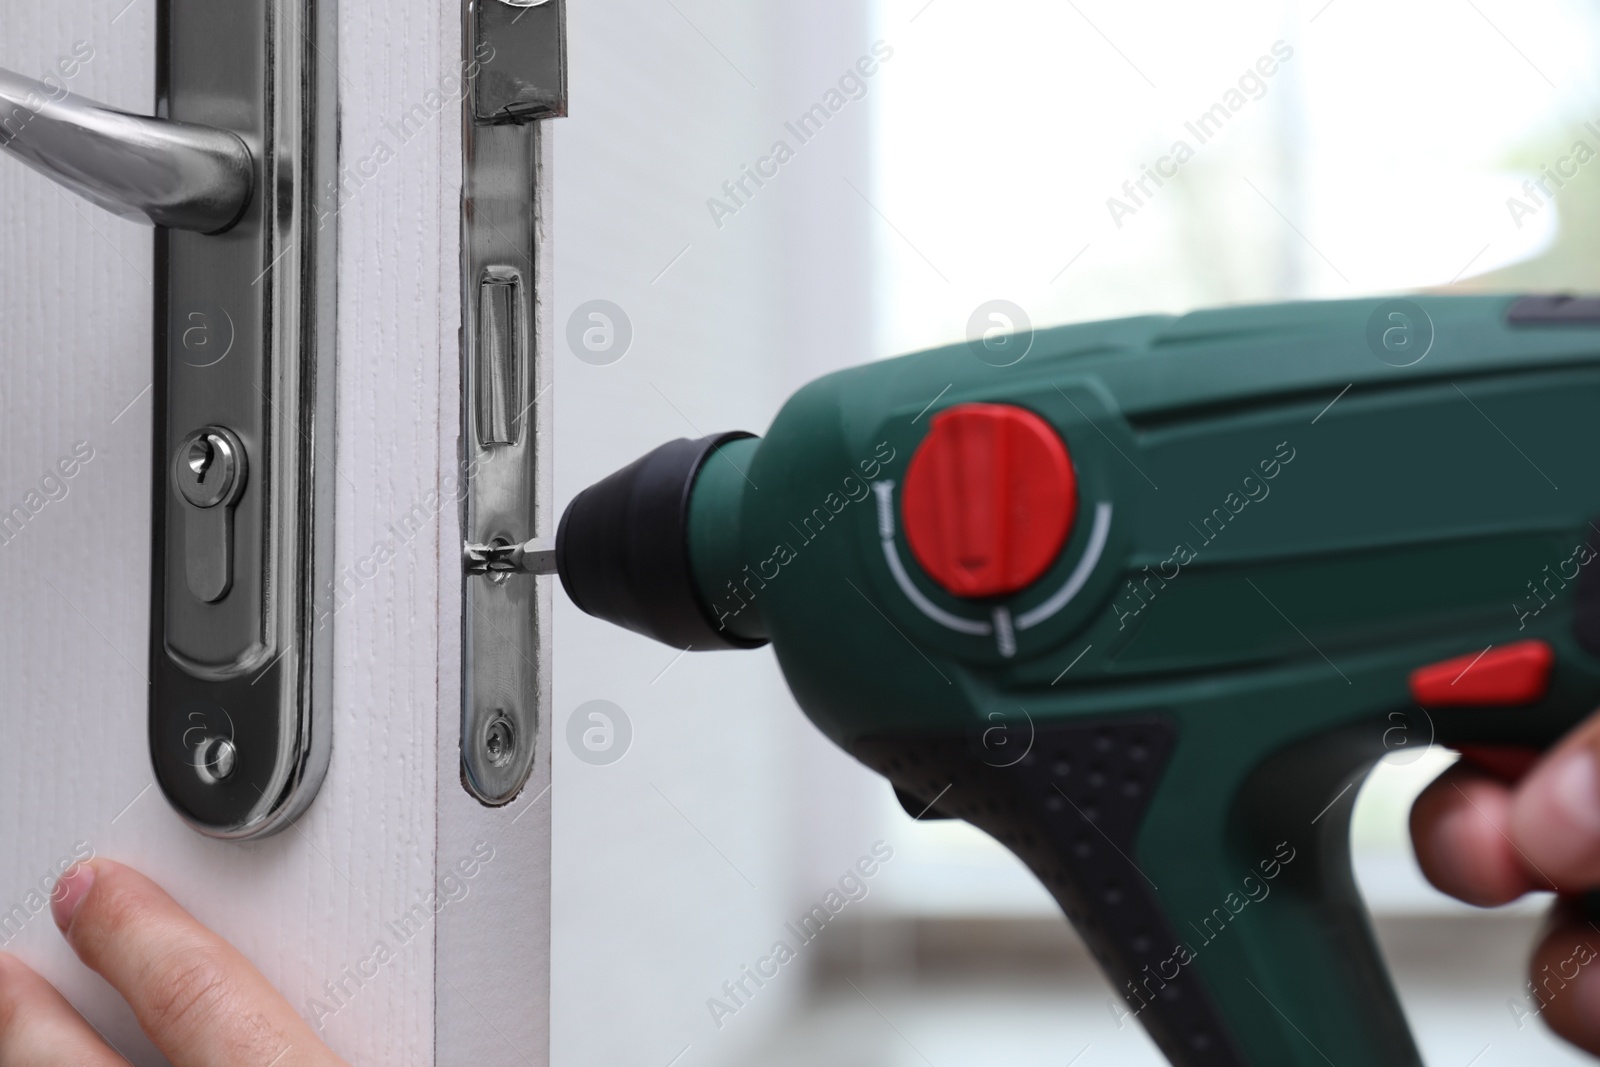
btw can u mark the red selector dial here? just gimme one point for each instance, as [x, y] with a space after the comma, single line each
[989, 499]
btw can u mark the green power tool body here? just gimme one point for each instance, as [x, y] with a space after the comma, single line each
[1147, 604]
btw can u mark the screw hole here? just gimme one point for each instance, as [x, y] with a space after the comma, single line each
[499, 577]
[500, 741]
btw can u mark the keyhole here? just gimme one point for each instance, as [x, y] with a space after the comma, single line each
[201, 455]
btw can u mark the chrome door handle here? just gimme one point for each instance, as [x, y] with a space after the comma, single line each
[244, 140]
[166, 173]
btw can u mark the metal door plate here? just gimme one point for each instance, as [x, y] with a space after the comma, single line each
[516, 53]
[244, 341]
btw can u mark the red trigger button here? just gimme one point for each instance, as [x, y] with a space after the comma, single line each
[1512, 674]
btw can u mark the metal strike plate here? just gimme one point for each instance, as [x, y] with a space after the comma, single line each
[516, 60]
[240, 647]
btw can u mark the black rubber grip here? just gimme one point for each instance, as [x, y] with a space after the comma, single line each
[1070, 809]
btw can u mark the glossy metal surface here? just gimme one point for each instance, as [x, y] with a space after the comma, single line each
[210, 471]
[501, 616]
[502, 355]
[175, 174]
[242, 591]
[516, 55]
[521, 53]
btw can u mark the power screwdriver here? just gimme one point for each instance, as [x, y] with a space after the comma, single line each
[1148, 603]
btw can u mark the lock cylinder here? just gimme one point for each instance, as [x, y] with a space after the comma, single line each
[209, 473]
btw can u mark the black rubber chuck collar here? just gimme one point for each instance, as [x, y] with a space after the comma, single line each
[622, 548]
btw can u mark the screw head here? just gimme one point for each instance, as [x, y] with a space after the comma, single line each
[498, 577]
[215, 759]
[500, 741]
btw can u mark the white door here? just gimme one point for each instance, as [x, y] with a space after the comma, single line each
[405, 920]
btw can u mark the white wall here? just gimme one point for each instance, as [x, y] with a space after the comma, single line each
[681, 862]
